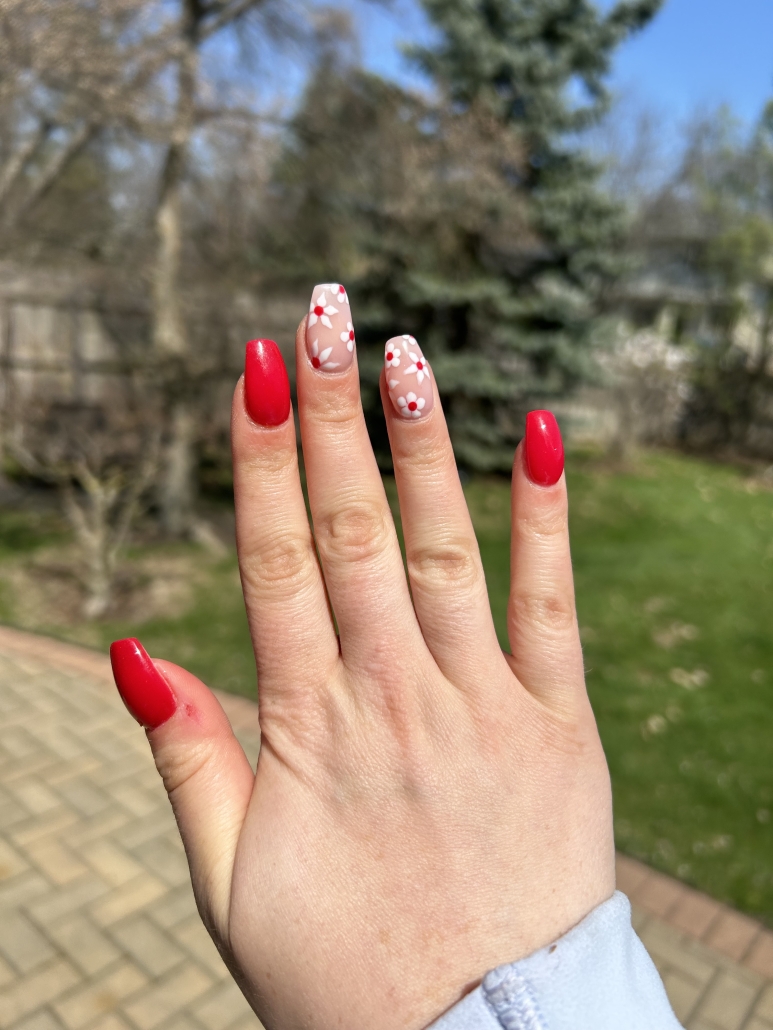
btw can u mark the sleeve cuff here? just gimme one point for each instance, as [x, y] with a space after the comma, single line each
[598, 976]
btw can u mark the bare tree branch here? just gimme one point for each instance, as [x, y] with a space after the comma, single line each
[17, 161]
[242, 114]
[52, 170]
[228, 13]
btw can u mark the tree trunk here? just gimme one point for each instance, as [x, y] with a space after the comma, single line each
[91, 523]
[178, 485]
[170, 335]
[98, 586]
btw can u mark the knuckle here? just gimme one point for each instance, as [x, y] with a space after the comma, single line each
[179, 766]
[545, 522]
[269, 461]
[330, 407]
[553, 612]
[285, 559]
[354, 533]
[425, 460]
[436, 568]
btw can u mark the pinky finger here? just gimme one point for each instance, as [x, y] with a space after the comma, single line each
[541, 615]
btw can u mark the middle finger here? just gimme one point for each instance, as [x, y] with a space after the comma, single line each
[353, 525]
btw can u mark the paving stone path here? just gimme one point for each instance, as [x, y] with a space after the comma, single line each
[98, 927]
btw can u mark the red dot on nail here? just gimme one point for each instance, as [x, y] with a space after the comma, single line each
[315, 362]
[319, 311]
[351, 335]
[419, 365]
[412, 406]
[390, 355]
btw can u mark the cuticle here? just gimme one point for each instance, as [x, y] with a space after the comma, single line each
[324, 374]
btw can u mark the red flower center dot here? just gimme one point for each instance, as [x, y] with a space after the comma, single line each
[419, 364]
[315, 362]
[390, 355]
[319, 311]
[351, 335]
[412, 405]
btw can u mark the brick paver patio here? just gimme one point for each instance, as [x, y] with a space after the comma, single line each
[98, 927]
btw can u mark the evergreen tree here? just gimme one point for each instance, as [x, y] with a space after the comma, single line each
[475, 221]
[725, 189]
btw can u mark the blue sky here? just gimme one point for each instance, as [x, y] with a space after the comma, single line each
[695, 54]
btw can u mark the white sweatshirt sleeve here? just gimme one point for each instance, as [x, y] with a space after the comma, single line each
[596, 977]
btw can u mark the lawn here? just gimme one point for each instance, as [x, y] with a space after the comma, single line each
[673, 563]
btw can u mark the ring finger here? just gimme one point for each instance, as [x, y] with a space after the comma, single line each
[444, 565]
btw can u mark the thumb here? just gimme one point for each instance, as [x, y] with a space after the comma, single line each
[204, 768]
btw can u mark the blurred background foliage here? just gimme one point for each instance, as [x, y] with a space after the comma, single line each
[175, 175]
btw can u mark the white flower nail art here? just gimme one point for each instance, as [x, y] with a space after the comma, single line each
[419, 367]
[392, 356]
[410, 387]
[330, 342]
[347, 337]
[320, 309]
[320, 360]
[411, 406]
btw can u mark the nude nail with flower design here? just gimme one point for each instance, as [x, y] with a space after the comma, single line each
[408, 377]
[329, 329]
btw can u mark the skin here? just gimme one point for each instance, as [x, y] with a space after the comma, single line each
[425, 807]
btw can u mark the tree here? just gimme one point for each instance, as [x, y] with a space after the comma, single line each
[197, 23]
[710, 228]
[66, 75]
[732, 398]
[83, 85]
[102, 458]
[480, 226]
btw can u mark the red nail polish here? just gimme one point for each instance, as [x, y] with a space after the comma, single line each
[143, 689]
[266, 384]
[543, 448]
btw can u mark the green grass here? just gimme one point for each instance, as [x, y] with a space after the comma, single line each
[674, 566]
[211, 638]
[674, 582]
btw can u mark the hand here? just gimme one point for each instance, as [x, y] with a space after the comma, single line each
[425, 807]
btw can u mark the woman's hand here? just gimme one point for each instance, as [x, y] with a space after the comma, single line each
[425, 806]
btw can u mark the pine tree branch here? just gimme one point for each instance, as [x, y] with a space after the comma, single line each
[630, 16]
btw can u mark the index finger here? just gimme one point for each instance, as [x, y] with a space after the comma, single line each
[289, 617]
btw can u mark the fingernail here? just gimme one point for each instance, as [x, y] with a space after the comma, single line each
[408, 378]
[329, 329]
[543, 448]
[266, 384]
[143, 689]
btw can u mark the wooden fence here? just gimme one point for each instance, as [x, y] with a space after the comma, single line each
[68, 337]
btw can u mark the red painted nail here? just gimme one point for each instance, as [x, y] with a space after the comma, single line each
[143, 689]
[543, 448]
[266, 385]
